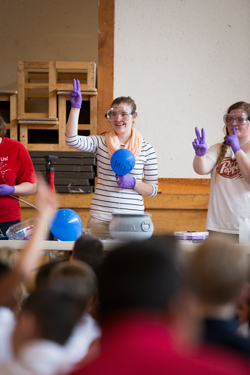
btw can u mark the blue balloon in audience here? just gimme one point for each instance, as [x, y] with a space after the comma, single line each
[66, 225]
[122, 161]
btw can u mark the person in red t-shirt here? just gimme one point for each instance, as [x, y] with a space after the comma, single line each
[143, 286]
[17, 177]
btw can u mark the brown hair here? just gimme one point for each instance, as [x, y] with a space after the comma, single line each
[218, 271]
[224, 146]
[124, 99]
[77, 277]
[3, 128]
[89, 249]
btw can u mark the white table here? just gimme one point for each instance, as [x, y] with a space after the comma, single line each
[107, 244]
[56, 245]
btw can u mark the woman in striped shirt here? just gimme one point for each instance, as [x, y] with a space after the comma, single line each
[115, 194]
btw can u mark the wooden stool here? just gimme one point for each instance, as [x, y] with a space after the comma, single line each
[38, 124]
[10, 115]
[36, 80]
[84, 71]
[63, 96]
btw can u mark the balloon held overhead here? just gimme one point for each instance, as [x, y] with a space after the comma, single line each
[122, 161]
[66, 225]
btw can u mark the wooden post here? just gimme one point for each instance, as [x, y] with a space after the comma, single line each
[20, 87]
[93, 114]
[24, 135]
[105, 61]
[11, 97]
[91, 77]
[52, 90]
[13, 117]
[62, 121]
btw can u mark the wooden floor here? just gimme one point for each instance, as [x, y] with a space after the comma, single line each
[181, 206]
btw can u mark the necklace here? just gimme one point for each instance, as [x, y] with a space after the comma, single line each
[245, 144]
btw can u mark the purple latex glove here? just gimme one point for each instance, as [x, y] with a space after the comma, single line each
[75, 95]
[199, 144]
[6, 189]
[126, 181]
[233, 141]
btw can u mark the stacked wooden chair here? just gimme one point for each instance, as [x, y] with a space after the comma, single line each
[47, 85]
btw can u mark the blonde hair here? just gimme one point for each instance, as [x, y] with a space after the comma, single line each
[218, 271]
[10, 257]
[224, 146]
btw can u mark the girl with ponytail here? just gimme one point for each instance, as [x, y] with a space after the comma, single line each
[229, 165]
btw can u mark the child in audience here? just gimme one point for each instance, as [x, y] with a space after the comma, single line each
[11, 289]
[46, 202]
[43, 326]
[219, 270]
[7, 321]
[79, 279]
[89, 249]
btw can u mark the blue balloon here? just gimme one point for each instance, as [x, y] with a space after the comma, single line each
[122, 161]
[66, 225]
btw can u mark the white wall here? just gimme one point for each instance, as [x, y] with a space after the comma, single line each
[184, 62]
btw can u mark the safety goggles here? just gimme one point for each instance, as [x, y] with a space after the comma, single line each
[239, 119]
[114, 113]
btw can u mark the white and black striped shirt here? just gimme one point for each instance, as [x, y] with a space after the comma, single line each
[109, 197]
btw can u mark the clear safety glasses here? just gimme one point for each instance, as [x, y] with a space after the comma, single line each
[116, 113]
[239, 119]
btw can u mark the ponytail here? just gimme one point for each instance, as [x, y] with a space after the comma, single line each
[223, 150]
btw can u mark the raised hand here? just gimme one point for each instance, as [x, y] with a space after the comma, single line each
[6, 189]
[233, 141]
[75, 95]
[199, 144]
[126, 181]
